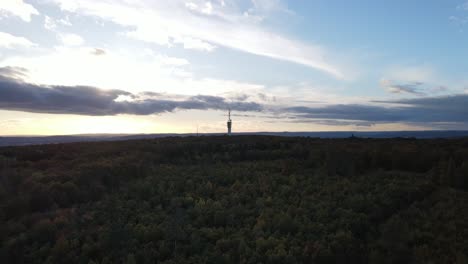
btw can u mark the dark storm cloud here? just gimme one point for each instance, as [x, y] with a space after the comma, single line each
[15, 94]
[420, 110]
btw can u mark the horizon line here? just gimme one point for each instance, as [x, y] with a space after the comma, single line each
[240, 132]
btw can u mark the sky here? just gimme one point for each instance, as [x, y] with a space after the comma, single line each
[157, 66]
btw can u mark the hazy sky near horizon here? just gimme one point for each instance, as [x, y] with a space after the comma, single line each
[123, 66]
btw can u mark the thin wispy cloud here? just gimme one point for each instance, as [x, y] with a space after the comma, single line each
[463, 6]
[421, 80]
[202, 27]
[10, 41]
[400, 88]
[461, 17]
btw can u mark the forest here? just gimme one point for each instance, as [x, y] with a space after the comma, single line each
[238, 199]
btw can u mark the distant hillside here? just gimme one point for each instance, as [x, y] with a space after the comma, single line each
[37, 140]
[242, 199]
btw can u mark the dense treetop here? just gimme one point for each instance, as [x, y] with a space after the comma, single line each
[240, 199]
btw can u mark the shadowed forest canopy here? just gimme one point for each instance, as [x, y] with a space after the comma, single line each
[242, 199]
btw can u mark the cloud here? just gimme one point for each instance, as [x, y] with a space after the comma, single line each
[266, 98]
[52, 23]
[8, 73]
[137, 70]
[204, 8]
[329, 122]
[195, 44]
[411, 88]
[49, 23]
[10, 41]
[269, 6]
[171, 61]
[460, 20]
[70, 39]
[419, 80]
[346, 112]
[202, 27]
[415, 88]
[134, 71]
[261, 8]
[463, 6]
[411, 73]
[420, 110]
[15, 94]
[17, 8]
[98, 52]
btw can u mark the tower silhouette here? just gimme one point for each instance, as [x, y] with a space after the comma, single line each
[229, 123]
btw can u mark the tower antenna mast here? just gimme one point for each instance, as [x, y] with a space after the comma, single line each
[229, 122]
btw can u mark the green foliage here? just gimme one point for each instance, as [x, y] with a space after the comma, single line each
[243, 199]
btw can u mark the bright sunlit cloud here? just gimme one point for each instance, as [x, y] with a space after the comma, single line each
[10, 41]
[154, 66]
[71, 39]
[17, 8]
[201, 26]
